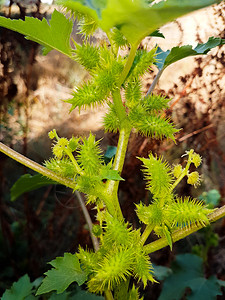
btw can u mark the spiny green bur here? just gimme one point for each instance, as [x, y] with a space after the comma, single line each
[116, 81]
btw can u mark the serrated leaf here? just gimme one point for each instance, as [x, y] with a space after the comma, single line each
[19, 290]
[135, 18]
[65, 270]
[55, 35]
[188, 272]
[166, 58]
[27, 183]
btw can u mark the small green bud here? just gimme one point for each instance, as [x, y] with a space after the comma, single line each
[73, 143]
[196, 159]
[63, 142]
[177, 170]
[194, 179]
[97, 230]
[52, 134]
[58, 151]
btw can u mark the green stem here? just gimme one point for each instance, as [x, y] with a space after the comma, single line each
[112, 185]
[182, 233]
[76, 166]
[128, 64]
[120, 109]
[184, 172]
[146, 233]
[36, 167]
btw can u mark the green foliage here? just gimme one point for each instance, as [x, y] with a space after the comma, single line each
[188, 273]
[211, 198]
[19, 290]
[65, 270]
[116, 81]
[166, 58]
[51, 35]
[132, 17]
[27, 183]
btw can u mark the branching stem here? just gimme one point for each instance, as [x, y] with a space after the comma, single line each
[35, 166]
[184, 172]
[146, 233]
[182, 233]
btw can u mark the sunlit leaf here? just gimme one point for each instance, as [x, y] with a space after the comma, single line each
[55, 35]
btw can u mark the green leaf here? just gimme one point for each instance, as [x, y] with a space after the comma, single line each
[107, 173]
[85, 295]
[157, 33]
[27, 183]
[93, 8]
[55, 35]
[161, 272]
[166, 58]
[211, 198]
[188, 272]
[134, 18]
[19, 290]
[63, 296]
[65, 270]
[110, 152]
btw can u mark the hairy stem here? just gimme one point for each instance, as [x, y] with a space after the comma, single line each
[182, 233]
[112, 185]
[35, 166]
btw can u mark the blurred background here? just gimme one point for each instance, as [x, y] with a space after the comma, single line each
[45, 223]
